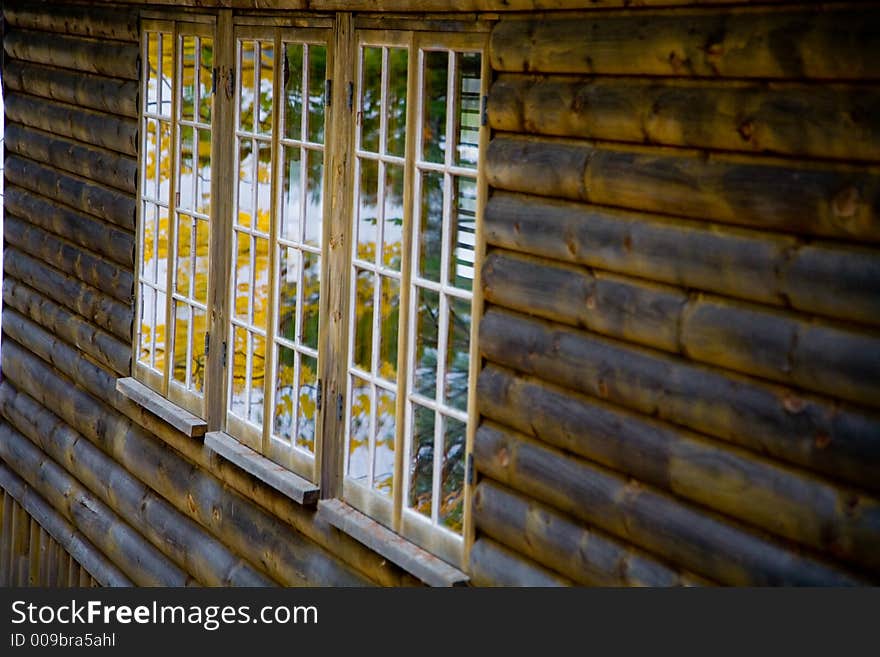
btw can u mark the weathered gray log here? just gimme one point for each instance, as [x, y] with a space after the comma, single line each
[588, 556]
[807, 200]
[97, 343]
[698, 540]
[87, 126]
[175, 535]
[830, 359]
[99, 56]
[139, 560]
[89, 21]
[825, 278]
[798, 44]
[110, 95]
[97, 164]
[796, 505]
[495, 565]
[95, 306]
[825, 436]
[69, 258]
[819, 121]
[84, 195]
[61, 531]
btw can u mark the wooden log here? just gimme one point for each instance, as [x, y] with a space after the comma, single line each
[5, 539]
[286, 556]
[83, 195]
[110, 95]
[176, 536]
[87, 126]
[96, 164]
[828, 279]
[87, 55]
[828, 437]
[495, 565]
[796, 44]
[820, 121]
[802, 199]
[695, 539]
[81, 229]
[821, 357]
[139, 560]
[109, 23]
[34, 555]
[823, 515]
[97, 307]
[588, 556]
[69, 258]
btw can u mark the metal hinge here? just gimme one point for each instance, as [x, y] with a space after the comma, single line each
[320, 395]
[207, 343]
[328, 90]
[224, 354]
[339, 405]
[470, 470]
[230, 84]
[484, 117]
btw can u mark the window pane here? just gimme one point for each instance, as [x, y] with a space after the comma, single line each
[199, 360]
[185, 179]
[390, 319]
[363, 318]
[165, 160]
[202, 261]
[261, 283]
[167, 70]
[152, 72]
[288, 279]
[242, 275]
[293, 80]
[188, 77]
[393, 217]
[147, 319]
[285, 393]
[358, 462]
[428, 323]
[148, 246]
[314, 199]
[206, 78]
[398, 60]
[291, 195]
[383, 466]
[181, 340]
[184, 255]
[162, 237]
[203, 189]
[264, 185]
[458, 354]
[159, 329]
[421, 466]
[431, 226]
[246, 163]
[258, 365]
[151, 152]
[310, 299]
[436, 75]
[464, 226]
[452, 474]
[238, 397]
[246, 70]
[267, 73]
[371, 98]
[367, 220]
[317, 75]
[308, 403]
[468, 111]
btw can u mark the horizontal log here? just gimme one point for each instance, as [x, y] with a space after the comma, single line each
[694, 539]
[66, 535]
[589, 557]
[492, 564]
[755, 340]
[87, 126]
[90, 21]
[86, 55]
[96, 92]
[815, 433]
[797, 44]
[139, 560]
[95, 306]
[824, 278]
[175, 535]
[823, 515]
[285, 556]
[103, 347]
[97, 164]
[70, 258]
[78, 193]
[793, 198]
[795, 120]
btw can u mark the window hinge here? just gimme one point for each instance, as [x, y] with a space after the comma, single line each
[484, 116]
[230, 83]
[339, 405]
[224, 354]
[350, 96]
[470, 470]
[320, 395]
[328, 89]
[207, 343]
[214, 74]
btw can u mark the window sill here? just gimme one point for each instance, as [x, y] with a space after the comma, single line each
[179, 418]
[424, 565]
[293, 486]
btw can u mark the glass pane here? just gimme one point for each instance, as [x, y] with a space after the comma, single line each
[452, 474]
[246, 71]
[285, 393]
[436, 76]
[291, 195]
[245, 182]
[159, 345]
[458, 353]
[289, 276]
[428, 318]
[151, 169]
[181, 340]
[206, 78]
[464, 234]
[242, 274]
[238, 398]
[383, 460]
[165, 157]
[261, 283]
[396, 110]
[148, 246]
[366, 227]
[314, 200]
[145, 342]
[293, 79]
[390, 318]
[267, 73]
[421, 466]
[371, 96]
[310, 299]
[468, 114]
[199, 360]
[431, 226]
[202, 247]
[359, 430]
[167, 70]
[393, 217]
[317, 76]
[185, 184]
[203, 189]
[184, 255]
[363, 318]
[162, 247]
[188, 77]
[264, 185]
[308, 403]
[152, 73]
[258, 365]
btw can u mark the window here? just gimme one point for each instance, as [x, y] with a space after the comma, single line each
[398, 296]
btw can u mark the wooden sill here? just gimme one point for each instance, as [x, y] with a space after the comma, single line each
[283, 480]
[179, 418]
[424, 565]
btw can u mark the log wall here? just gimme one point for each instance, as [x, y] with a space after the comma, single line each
[681, 341]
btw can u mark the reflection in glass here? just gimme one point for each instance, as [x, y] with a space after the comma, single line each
[267, 72]
[436, 75]
[388, 328]
[181, 340]
[452, 474]
[293, 79]
[184, 254]
[264, 185]
[464, 228]
[371, 98]
[291, 195]
[206, 78]
[288, 279]
[148, 245]
[145, 341]
[188, 77]
[421, 466]
[203, 190]
[431, 226]
[167, 70]
[363, 328]
[383, 459]
[260, 304]
[317, 73]
[199, 359]
[245, 182]
[152, 40]
[201, 274]
[165, 158]
[359, 430]
[247, 58]
[185, 181]
[308, 403]
[151, 169]
[398, 60]
[238, 401]
[242, 275]
[392, 231]
[366, 220]
[310, 299]
[467, 113]
[458, 353]
[258, 364]
[427, 326]
[314, 200]
[159, 329]
[285, 393]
